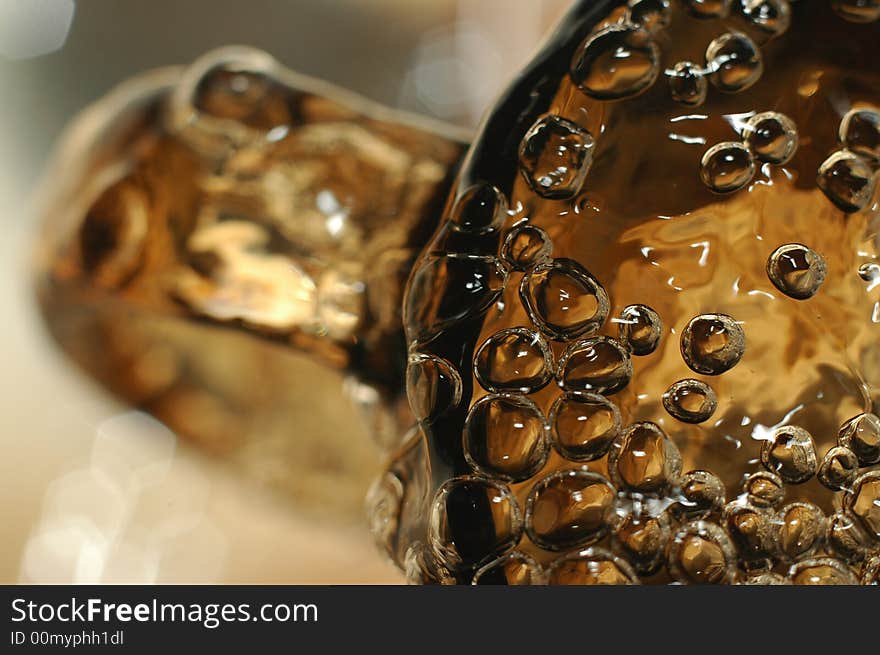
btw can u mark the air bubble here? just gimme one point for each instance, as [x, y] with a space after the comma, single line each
[801, 527]
[480, 209]
[701, 493]
[847, 180]
[821, 571]
[237, 84]
[791, 453]
[771, 16]
[526, 246]
[764, 489]
[473, 520]
[796, 270]
[690, 401]
[772, 137]
[846, 537]
[432, 386]
[712, 344]
[583, 425]
[869, 271]
[593, 566]
[554, 157]
[751, 530]
[861, 434]
[735, 62]
[421, 568]
[727, 167]
[598, 364]
[639, 328]
[765, 579]
[688, 84]
[871, 571]
[644, 460]
[384, 502]
[460, 286]
[642, 539]
[619, 61]
[709, 8]
[863, 502]
[653, 15]
[570, 508]
[506, 437]
[857, 11]
[513, 569]
[839, 468]
[701, 553]
[515, 359]
[563, 299]
[860, 132]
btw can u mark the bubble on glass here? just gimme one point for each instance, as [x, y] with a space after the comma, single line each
[514, 359]
[583, 425]
[619, 61]
[555, 156]
[727, 167]
[506, 437]
[564, 299]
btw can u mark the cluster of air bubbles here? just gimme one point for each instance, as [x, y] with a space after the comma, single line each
[733, 64]
[769, 137]
[770, 16]
[857, 11]
[476, 523]
[599, 496]
[849, 175]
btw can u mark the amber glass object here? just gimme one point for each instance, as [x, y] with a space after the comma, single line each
[640, 343]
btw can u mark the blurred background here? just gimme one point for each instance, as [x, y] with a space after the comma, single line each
[93, 491]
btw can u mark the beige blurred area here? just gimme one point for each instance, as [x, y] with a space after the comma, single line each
[93, 491]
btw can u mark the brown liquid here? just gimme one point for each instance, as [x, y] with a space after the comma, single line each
[754, 259]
